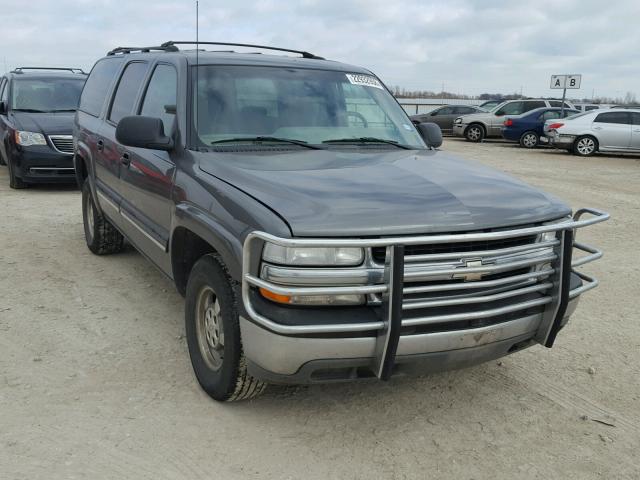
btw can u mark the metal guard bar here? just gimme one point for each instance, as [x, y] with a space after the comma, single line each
[249, 279]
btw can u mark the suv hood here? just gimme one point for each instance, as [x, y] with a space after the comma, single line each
[56, 123]
[337, 193]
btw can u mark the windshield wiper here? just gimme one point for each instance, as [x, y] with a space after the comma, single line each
[300, 143]
[369, 140]
[30, 110]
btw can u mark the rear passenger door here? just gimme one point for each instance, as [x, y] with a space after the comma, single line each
[613, 130]
[443, 117]
[147, 175]
[635, 130]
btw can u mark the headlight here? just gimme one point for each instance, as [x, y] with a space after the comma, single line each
[27, 139]
[312, 257]
[548, 236]
[458, 120]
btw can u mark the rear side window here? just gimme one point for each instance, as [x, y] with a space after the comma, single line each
[444, 111]
[128, 88]
[513, 108]
[532, 105]
[549, 115]
[4, 91]
[613, 117]
[464, 110]
[97, 85]
[161, 92]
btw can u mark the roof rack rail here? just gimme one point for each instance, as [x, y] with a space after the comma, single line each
[162, 48]
[72, 70]
[300, 52]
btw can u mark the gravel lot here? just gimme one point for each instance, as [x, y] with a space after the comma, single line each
[95, 379]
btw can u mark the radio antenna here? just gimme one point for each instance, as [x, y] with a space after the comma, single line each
[197, 65]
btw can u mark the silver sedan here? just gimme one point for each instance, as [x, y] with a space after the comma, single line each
[612, 130]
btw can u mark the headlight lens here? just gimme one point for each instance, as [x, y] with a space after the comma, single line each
[306, 256]
[26, 139]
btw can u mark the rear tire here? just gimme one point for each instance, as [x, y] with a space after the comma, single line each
[213, 334]
[585, 146]
[101, 236]
[15, 182]
[529, 140]
[474, 133]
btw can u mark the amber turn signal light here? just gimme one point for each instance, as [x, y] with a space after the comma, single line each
[275, 297]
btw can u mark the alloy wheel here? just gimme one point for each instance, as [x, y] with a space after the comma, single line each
[209, 328]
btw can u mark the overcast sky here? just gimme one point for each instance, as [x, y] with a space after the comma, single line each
[469, 46]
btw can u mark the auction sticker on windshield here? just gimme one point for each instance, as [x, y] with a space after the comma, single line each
[365, 80]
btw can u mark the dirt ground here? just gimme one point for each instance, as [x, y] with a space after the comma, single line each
[95, 379]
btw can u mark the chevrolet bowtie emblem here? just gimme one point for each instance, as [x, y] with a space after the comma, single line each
[470, 276]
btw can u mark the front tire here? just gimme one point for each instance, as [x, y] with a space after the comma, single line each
[585, 146]
[213, 334]
[529, 140]
[101, 236]
[474, 133]
[15, 182]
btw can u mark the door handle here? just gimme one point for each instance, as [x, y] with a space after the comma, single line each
[100, 145]
[125, 159]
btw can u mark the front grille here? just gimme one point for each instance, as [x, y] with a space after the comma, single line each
[62, 143]
[378, 253]
[446, 280]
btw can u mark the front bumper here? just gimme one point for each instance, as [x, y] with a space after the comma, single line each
[43, 164]
[480, 327]
[458, 129]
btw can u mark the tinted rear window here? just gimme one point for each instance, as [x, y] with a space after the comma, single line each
[97, 86]
[613, 117]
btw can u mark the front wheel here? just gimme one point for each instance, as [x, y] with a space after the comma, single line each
[474, 133]
[585, 146]
[213, 334]
[529, 140]
[15, 182]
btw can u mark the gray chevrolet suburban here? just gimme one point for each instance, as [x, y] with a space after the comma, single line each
[316, 233]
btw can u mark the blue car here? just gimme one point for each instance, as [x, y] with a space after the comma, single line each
[527, 128]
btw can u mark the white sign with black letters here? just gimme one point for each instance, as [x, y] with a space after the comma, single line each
[565, 81]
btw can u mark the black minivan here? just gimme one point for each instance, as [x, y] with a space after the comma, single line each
[37, 105]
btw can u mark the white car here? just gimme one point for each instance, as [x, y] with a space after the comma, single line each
[611, 130]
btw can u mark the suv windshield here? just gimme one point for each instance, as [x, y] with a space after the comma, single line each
[46, 94]
[311, 106]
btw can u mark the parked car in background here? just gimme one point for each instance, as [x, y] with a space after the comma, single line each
[477, 126]
[444, 116]
[527, 128]
[612, 130]
[316, 233]
[585, 107]
[490, 104]
[36, 117]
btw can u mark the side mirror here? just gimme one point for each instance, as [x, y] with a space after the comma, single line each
[143, 132]
[3, 108]
[430, 133]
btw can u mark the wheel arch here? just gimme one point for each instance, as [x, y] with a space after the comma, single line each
[195, 234]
